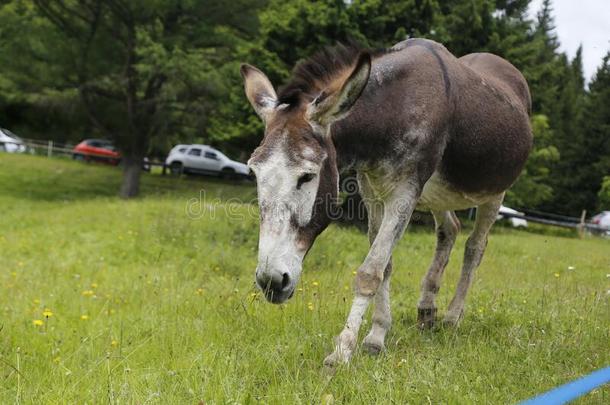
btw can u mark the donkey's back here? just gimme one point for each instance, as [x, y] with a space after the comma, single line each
[502, 73]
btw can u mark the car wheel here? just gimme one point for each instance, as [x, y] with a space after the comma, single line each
[176, 168]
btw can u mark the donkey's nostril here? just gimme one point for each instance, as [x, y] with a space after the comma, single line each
[276, 286]
[285, 280]
[273, 282]
[263, 280]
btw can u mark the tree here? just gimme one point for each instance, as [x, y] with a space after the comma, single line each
[134, 67]
[604, 194]
[568, 138]
[593, 161]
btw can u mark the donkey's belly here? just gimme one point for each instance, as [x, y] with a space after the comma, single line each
[439, 195]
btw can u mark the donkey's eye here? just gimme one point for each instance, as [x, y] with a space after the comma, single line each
[305, 178]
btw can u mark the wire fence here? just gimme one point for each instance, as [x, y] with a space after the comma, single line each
[567, 222]
[38, 147]
[51, 148]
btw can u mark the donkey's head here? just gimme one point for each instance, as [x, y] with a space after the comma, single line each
[295, 168]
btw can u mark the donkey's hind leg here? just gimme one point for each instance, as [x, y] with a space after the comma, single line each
[473, 253]
[447, 228]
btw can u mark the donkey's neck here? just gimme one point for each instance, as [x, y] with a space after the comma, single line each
[351, 144]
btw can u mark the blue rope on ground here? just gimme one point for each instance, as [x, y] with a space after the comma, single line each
[572, 390]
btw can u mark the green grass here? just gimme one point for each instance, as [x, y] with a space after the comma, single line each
[172, 315]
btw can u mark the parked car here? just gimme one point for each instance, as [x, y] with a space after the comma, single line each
[98, 150]
[515, 222]
[101, 150]
[203, 159]
[9, 142]
[602, 220]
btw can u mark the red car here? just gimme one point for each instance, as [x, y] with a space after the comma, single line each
[98, 150]
[101, 150]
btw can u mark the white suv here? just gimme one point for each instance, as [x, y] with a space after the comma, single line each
[9, 142]
[205, 160]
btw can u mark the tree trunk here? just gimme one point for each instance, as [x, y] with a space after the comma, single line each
[132, 168]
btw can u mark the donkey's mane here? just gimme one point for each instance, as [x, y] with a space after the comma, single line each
[310, 76]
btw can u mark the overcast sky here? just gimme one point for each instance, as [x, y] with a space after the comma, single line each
[585, 22]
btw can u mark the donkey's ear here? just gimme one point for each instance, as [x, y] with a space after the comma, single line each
[259, 91]
[333, 104]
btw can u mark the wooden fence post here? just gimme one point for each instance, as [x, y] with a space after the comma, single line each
[581, 225]
[50, 149]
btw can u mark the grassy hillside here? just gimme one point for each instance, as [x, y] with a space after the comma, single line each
[152, 301]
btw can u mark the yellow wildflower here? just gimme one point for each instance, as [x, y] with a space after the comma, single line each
[114, 343]
[37, 322]
[354, 272]
[94, 285]
[556, 275]
[47, 313]
[328, 399]
[87, 293]
[315, 283]
[199, 291]
[36, 301]
[310, 306]
[84, 317]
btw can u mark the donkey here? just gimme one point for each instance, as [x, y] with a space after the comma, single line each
[422, 129]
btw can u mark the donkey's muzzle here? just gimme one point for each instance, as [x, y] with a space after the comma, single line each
[276, 286]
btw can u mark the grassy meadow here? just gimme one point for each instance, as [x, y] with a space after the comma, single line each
[153, 301]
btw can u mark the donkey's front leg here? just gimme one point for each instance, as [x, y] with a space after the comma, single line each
[398, 208]
[382, 316]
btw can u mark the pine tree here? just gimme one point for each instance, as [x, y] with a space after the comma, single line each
[595, 151]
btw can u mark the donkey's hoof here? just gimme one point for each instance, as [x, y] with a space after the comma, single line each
[330, 361]
[426, 317]
[451, 320]
[333, 360]
[373, 346]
